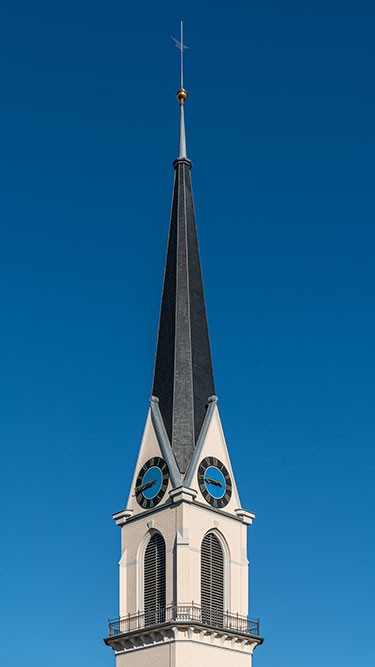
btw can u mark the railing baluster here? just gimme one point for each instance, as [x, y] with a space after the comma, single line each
[208, 616]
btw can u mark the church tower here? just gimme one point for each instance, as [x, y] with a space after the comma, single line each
[183, 566]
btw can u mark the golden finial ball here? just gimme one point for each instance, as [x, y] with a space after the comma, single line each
[181, 95]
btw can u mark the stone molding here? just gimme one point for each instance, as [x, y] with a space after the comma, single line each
[182, 493]
[245, 516]
[122, 517]
[143, 639]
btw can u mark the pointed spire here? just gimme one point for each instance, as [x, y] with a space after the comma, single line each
[183, 377]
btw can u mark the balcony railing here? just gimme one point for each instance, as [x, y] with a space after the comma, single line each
[186, 613]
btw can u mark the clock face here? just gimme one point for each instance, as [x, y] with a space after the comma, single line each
[152, 482]
[214, 482]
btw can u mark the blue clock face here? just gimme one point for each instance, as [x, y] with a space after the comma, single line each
[152, 482]
[214, 482]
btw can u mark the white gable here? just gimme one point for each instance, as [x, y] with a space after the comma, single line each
[215, 445]
[149, 447]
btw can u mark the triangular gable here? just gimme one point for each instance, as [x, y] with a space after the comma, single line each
[212, 443]
[153, 444]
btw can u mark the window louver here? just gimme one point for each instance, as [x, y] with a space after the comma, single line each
[212, 580]
[154, 580]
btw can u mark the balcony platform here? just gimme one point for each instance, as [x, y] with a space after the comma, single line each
[187, 621]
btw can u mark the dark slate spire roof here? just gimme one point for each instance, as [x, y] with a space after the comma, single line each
[183, 378]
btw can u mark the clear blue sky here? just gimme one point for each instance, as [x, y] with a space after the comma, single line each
[280, 125]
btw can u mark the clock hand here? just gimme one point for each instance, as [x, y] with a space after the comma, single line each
[210, 480]
[146, 485]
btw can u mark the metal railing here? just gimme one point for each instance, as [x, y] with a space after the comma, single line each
[185, 613]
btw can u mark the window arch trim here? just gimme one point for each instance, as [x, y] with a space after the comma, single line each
[226, 562]
[140, 567]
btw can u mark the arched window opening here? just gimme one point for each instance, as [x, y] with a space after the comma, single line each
[212, 580]
[154, 580]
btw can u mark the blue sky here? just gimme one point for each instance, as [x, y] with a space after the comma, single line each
[280, 128]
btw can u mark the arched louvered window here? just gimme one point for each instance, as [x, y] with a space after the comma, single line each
[154, 580]
[212, 580]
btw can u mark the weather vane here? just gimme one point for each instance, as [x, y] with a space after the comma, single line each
[181, 94]
[181, 47]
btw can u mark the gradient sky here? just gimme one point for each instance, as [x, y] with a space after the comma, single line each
[280, 128]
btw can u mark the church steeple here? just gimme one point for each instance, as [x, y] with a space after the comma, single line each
[183, 377]
[183, 566]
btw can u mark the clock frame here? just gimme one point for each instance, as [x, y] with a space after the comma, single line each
[142, 500]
